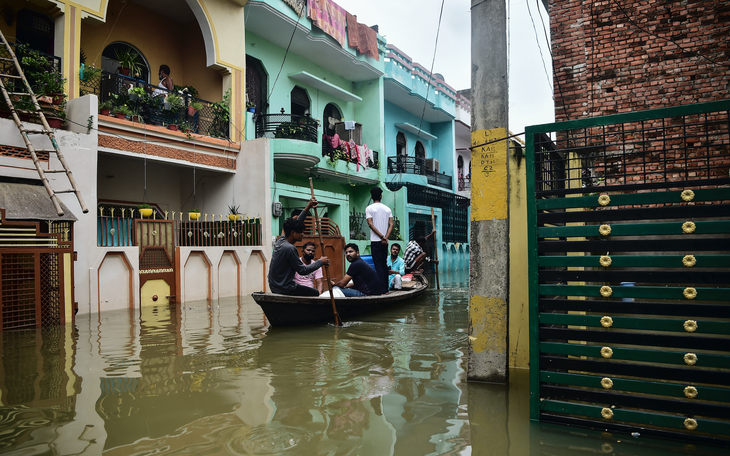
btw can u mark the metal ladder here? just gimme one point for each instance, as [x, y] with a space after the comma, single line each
[46, 130]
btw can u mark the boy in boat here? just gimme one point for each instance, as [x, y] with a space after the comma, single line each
[396, 268]
[313, 279]
[285, 258]
[414, 256]
[380, 221]
[365, 281]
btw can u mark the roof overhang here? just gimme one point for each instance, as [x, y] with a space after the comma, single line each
[276, 27]
[400, 95]
[30, 202]
[324, 86]
[416, 131]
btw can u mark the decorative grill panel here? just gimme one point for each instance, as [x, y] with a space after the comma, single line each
[18, 290]
[50, 289]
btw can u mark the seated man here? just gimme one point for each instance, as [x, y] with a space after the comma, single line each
[364, 279]
[313, 279]
[396, 268]
[414, 256]
[285, 259]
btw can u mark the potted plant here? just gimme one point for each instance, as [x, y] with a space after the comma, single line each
[194, 107]
[129, 61]
[122, 111]
[194, 214]
[221, 117]
[135, 92]
[89, 73]
[175, 101]
[145, 209]
[233, 213]
[250, 106]
[136, 116]
[105, 107]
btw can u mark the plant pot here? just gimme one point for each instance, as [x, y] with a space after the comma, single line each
[194, 215]
[234, 217]
[192, 111]
[4, 114]
[137, 119]
[172, 127]
[57, 98]
[124, 71]
[104, 112]
[54, 122]
[133, 97]
[146, 212]
[251, 109]
[166, 105]
[120, 115]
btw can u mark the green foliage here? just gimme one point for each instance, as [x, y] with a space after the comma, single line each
[91, 73]
[139, 91]
[189, 90]
[196, 105]
[175, 100]
[123, 109]
[233, 209]
[221, 117]
[144, 206]
[39, 70]
[129, 58]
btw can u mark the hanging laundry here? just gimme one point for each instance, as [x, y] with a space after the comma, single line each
[362, 38]
[349, 125]
[328, 16]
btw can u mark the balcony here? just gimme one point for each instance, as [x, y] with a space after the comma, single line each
[211, 119]
[287, 126]
[464, 184]
[417, 166]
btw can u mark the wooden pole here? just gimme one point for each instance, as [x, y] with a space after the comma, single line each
[338, 320]
[435, 250]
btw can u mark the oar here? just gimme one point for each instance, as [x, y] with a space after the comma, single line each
[435, 250]
[338, 320]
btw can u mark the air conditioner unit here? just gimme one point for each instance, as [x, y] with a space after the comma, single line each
[432, 164]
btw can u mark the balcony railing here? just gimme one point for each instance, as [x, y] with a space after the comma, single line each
[338, 154]
[415, 165]
[115, 228]
[211, 120]
[288, 126]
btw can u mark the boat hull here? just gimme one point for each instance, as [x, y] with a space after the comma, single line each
[282, 310]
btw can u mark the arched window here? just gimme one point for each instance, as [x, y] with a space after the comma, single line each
[299, 102]
[330, 116]
[35, 30]
[109, 60]
[420, 158]
[460, 165]
[256, 84]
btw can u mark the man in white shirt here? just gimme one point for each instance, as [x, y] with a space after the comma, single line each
[380, 221]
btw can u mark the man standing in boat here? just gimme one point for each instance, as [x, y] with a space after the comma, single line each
[313, 279]
[364, 280]
[396, 268]
[380, 221]
[414, 256]
[285, 258]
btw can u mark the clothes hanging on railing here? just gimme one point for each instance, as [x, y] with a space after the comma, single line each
[328, 16]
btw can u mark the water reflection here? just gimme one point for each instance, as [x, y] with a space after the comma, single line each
[213, 378]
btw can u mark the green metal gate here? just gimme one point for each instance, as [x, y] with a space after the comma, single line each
[629, 270]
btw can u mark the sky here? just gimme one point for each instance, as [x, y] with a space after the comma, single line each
[411, 27]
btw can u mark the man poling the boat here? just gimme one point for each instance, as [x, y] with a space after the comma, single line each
[365, 281]
[285, 258]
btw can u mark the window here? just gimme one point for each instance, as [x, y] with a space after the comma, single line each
[400, 144]
[256, 84]
[35, 30]
[299, 102]
[330, 117]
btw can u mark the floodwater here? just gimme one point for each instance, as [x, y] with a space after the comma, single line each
[212, 379]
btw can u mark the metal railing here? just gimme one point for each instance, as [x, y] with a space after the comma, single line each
[210, 120]
[400, 164]
[464, 183]
[115, 228]
[288, 126]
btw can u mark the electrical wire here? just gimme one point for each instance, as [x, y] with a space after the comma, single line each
[103, 45]
[537, 39]
[286, 53]
[430, 75]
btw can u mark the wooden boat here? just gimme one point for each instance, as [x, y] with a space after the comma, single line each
[282, 310]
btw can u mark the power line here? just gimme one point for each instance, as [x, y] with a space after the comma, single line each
[286, 53]
[433, 61]
[537, 39]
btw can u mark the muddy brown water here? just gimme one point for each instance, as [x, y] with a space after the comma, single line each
[212, 378]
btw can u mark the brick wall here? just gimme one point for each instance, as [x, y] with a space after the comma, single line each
[617, 56]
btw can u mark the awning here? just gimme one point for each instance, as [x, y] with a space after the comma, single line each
[324, 86]
[416, 131]
[30, 202]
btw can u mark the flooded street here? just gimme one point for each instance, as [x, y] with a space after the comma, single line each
[212, 378]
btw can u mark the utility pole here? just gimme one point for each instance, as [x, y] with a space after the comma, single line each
[489, 245]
